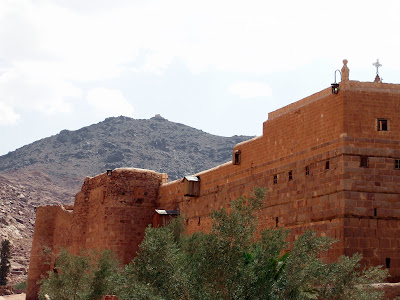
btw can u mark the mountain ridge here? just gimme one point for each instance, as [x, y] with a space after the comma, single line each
[51, 170]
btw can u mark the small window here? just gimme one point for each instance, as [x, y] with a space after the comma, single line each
[383, 125]
[364, 161]
[290, 175]
[307, 170]
[237, 157]
[275, 179]
[387, 262]
[375, 212]
[397, 164]
[327, 165]
[276, 222]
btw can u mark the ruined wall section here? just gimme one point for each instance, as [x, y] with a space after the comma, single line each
[52, 231]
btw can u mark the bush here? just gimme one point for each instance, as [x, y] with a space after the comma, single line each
[230, 263]
[84, 276]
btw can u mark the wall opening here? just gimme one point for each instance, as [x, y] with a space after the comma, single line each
[307, 170]
[383, 124]
[327, 165]
[276, 222]
[199, 221]
[397, 164]
[364, 161]
[275, 179]
[375, 212]
[237, 157]
[387, 262]
[290, 175]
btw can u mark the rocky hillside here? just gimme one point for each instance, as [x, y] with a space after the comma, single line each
[52, 170]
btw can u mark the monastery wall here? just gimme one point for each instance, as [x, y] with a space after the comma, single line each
[328, 162]
[52, 231]
[110, 212]
[372, 199]
[307, 135]
[356, 205]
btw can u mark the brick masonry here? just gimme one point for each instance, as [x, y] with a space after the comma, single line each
[309, 159]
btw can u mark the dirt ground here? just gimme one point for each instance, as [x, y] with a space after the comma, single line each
[13, 297]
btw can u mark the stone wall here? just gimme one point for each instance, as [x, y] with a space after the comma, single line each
[110, 212]
[359, 206]
[310, 158]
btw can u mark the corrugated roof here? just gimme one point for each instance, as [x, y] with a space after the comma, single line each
[167, 212]
[192, 178]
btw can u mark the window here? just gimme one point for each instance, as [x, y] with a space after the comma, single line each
[275, 179]
[387, 262]
[383, 125]
[237, 157]
[364, 161]
[397, 164]
[327, 165]
[290, 175]
[307, 170]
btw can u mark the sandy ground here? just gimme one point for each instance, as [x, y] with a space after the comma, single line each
[13, 297]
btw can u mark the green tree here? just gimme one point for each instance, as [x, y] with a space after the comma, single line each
[84, 276]
[5, 256]
[231, 263]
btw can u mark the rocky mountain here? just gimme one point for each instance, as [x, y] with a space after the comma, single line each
[52, 170]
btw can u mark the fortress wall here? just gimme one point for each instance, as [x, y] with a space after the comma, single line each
[52, 231]
[118, 209]
[308, 136]
[372, 200]
[362, 108]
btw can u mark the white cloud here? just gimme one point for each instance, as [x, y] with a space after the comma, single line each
[23, 87]
[8, 115]
[109, 103]
[249, 89]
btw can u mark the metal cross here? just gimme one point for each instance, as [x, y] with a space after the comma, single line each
[377, 65]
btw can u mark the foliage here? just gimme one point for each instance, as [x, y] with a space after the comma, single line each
[20, 286]
[231, 263]
[84, 276]
[5, 256]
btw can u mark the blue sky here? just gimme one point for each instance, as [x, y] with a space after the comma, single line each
[219, 66]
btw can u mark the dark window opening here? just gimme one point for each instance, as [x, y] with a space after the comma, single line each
[307, 170]
[387, 262]
[397, 164]
[290, 175]
[275, 179]
[383, 125]
[364, 161]
[327, 165]
[375, 212]
[198, 223]
[237, 157]
[276, 221]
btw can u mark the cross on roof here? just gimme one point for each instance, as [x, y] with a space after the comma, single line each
[377, 65]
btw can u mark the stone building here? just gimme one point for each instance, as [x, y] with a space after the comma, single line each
[331, 163]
